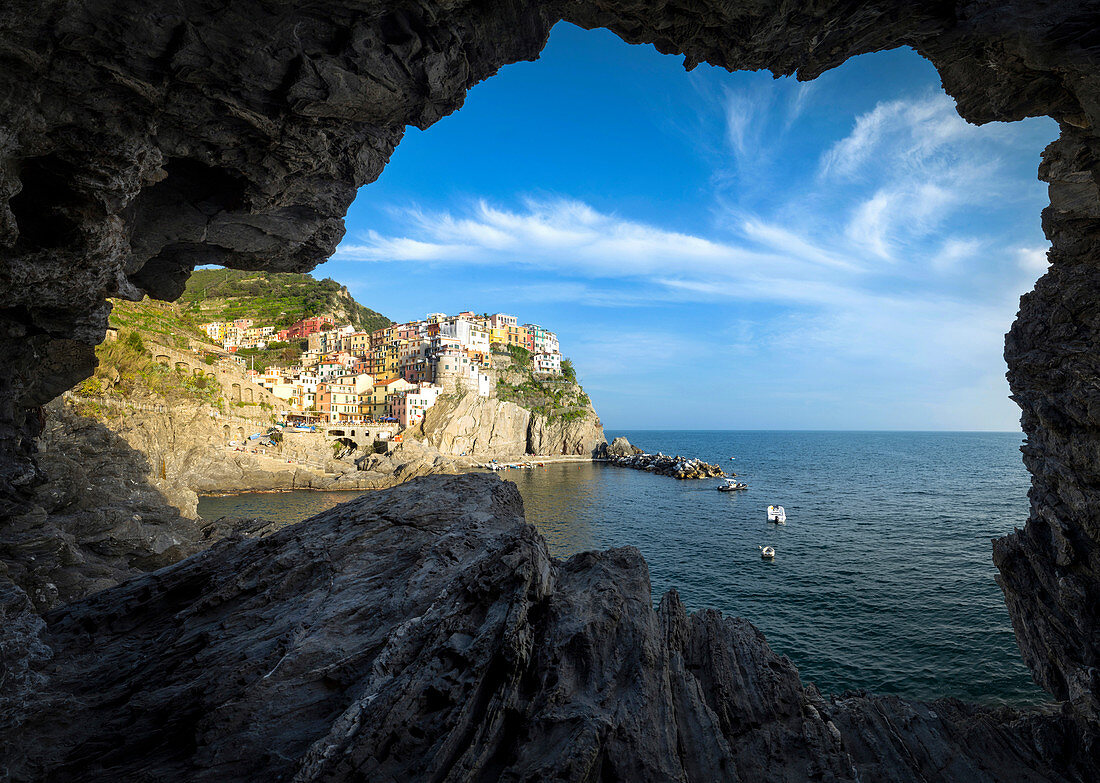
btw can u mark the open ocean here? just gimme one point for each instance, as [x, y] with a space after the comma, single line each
[883, 578]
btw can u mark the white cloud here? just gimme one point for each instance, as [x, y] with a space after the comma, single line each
[955, 252]
[558, 233]
[1032, 259]
[899, 134]
[741, 121]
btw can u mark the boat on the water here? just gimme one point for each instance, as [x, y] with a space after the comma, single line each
[777, 514]
[732, 485]
[767, 552]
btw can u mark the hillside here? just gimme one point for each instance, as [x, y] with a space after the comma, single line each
[271, 298]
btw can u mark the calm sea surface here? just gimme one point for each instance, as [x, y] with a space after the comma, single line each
[883, 578]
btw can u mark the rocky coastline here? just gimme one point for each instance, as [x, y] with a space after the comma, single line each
[623, 455]
[424, 633]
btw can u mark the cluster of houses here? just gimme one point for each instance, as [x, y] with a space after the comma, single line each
[391, 374]
[241, 333]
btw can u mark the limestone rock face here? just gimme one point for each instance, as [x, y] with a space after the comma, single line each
[475, 425]
[487, 427]
[424, 633]
[581, 436]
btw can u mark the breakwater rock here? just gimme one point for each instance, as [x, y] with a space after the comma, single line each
[424, 633]
[667, 465]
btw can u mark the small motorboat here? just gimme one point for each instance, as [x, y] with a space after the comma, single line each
[777, 514]
[767, 553]
[732, 486]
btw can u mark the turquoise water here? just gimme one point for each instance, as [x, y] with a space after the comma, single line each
[883, 578]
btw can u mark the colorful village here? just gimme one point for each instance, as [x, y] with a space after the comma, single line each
[392, 374]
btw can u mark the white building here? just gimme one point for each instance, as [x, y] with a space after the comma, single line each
[409, 407]
[547, 363]
[470, 334]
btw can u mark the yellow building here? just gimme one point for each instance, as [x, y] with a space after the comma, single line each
[215, 330]
[376, 403]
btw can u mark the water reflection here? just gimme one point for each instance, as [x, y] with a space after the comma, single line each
[560, 501]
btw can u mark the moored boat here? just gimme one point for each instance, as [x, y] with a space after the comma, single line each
[732, 485]
[777, 514]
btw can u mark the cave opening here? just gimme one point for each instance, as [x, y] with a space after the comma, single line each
[940, 219]
[303, 105]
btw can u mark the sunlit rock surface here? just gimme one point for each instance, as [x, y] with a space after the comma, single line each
[424, 633]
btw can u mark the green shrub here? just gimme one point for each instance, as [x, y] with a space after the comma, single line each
[521, 357]
[567, 370]
[134, 342]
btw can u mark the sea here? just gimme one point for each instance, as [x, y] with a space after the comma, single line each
[883, 577]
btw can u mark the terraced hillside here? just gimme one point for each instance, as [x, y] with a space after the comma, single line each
[269, 298]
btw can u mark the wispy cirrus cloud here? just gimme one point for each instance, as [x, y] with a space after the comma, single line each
[902, 134]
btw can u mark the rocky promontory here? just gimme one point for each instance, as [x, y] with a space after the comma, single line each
[424, 633]
[488, 427]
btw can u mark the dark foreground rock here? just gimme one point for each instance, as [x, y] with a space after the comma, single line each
[423, 633]
[101, 517]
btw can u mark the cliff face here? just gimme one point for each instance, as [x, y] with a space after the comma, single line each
[424, 633]
[488, 427]
[581, 436]
[470, 424]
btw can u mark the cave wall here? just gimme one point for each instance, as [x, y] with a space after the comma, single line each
[138, 140]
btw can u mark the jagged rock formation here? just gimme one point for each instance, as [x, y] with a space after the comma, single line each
[620, 447]
[423, 633]
[136, 144]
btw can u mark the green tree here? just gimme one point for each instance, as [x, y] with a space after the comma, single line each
[567, 370]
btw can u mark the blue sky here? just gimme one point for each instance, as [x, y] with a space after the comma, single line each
[722, 251]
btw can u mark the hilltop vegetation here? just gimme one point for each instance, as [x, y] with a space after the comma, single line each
[161, 322]
[272, 298]
[555, 398]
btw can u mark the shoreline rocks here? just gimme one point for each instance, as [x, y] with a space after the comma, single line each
[662, 464]
[425, 633]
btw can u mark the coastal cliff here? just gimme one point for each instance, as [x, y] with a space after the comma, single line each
[424, 633]
[488, 427]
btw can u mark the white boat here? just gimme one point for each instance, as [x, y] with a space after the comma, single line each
[732, 485]
[767, 552]
[777, 514]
